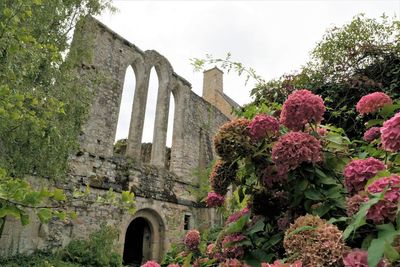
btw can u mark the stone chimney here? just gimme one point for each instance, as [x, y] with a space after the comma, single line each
[212, 84]
[213, 92]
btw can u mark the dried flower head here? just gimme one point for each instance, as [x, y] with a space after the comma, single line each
[357, 173]
[314, 242]
[372, 102]
[222, 175]
[372, 133]
[390, 134]
[151, 264]
[300, 108]
[359, 258]
[354, 203]
[233, 140]
[387, 207]
[294, 148]
[192, 240]
[215, 200]
[229, 249]
[263, 126]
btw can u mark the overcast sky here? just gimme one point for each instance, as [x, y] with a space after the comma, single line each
[273, 37]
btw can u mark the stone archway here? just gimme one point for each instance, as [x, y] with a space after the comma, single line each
[144, 238]
[137, 242]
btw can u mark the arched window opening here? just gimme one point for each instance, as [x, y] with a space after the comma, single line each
[171, 114]
[137, 247]
[149, 117]
[125, 108]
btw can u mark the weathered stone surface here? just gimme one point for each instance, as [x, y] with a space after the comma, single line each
[162, 180]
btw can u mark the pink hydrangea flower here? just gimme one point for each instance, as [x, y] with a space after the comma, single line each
[214, 200]
[151, 264]
[390, 134]
[228, 246]
[278, 263]
[237, 215]
[359, 258]
[372, 102]
[372, 133]
[210, 250]
[294, 148]
[233, 263]
[386, 208]
[357, 173]
[302, 107]
[192, 240]
[263, 125]
[173, 265]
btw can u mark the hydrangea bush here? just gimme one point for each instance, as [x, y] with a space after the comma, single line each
[302, 193]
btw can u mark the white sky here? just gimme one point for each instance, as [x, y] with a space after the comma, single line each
[273, 37]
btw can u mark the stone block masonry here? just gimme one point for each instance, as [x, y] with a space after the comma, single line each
[166, 206]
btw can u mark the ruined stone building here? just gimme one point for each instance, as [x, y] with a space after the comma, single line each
[166, 208]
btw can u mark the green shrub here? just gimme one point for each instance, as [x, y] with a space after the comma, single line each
[38, 259]
[99, 250]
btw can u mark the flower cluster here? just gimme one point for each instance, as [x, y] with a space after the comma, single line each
[233, 140]
[228, 246]
[214, 200]
[263, 126]
[151, 264]
[372, 102]
[237, 215]
[223, 173]
[233, 263]
[372, 133]
[357, 173]
[294, 148]
[319, 244]
[278, 263]
[359, 258]
[387, 207]
[300, 108]
[390, 134]
[192, 240]
[354, 203]
[269, 175]
[173, 265]
[210, 250]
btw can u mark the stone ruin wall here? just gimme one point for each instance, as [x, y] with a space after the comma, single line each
[163, 195]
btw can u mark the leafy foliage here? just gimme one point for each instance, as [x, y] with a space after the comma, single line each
[99, 250]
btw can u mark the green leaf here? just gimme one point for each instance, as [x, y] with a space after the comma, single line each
[59, 195]
[312, 194]
[323, 178]
[10, 210]
[188, 259]
[374, 122]
[257, 227]
[375, 252]
[360, 215]
[391, 253]
[45, 215]
[24, 219]
[238, 225]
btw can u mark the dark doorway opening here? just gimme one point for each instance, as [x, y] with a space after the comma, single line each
[137, 242]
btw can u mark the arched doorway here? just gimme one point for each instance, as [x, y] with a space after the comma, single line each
[137, 247]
